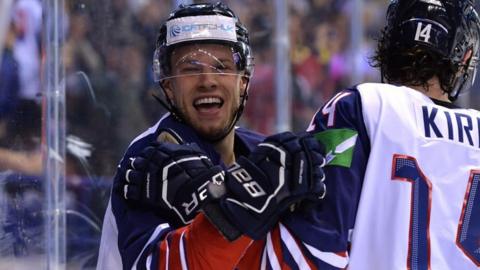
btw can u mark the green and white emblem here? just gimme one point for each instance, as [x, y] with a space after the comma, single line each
[339, 145]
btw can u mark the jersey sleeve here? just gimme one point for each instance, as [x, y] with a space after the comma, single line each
[322, 233]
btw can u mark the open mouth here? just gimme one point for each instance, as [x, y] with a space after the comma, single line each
[207, 103]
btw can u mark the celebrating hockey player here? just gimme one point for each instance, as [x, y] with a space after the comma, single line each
[194, 163]
[403, 162]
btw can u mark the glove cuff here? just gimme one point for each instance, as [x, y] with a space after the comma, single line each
[215, 215]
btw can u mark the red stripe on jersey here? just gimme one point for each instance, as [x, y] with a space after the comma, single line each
[205, 247]
[277, 247]
[299, 245]
[204, 240]
[170, 250]
[208, 249]
[253, 257]
[163, 255]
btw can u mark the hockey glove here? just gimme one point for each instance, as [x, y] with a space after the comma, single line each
[170, 178]
[280, 172]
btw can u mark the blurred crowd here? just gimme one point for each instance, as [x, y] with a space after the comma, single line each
[109, 47]
[108, 52]
[107, 55]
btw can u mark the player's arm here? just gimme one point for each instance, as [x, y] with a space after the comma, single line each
[322, 234]
[163, 190]
[255, 192]
[280, 173]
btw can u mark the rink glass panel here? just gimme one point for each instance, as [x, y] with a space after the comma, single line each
[105, 71]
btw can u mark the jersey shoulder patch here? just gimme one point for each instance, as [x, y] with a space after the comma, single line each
[339, 145]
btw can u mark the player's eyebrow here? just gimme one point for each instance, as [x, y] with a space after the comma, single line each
[225, 61]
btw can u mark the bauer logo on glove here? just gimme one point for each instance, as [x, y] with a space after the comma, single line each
[283, 171]
[245, 179]
[171, 178]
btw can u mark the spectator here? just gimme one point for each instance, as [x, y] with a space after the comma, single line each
[27, 18]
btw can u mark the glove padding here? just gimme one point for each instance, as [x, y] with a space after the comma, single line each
[170, 178]
[281, 172]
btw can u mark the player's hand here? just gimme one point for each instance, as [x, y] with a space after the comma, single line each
[170, 178]
[281, 172]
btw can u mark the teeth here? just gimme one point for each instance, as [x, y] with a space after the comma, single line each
[208, 100]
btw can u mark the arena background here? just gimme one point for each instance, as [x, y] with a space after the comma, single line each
[76, 87]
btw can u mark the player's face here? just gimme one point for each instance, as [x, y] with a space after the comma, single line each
[205, 86]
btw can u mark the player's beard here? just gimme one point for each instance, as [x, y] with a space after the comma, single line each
[212, 135]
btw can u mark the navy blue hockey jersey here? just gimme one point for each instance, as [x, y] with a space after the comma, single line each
[131, 235]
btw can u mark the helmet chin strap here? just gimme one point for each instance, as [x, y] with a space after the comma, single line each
[169, 106]
[234, 120]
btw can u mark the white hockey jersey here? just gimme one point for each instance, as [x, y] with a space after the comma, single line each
[402, 180]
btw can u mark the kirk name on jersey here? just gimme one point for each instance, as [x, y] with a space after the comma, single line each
[459, 126]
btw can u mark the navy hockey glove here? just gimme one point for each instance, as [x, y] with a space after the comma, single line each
[281, 172]
[170, 178]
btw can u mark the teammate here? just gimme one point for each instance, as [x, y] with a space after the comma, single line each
[403, 162]
[203, 63]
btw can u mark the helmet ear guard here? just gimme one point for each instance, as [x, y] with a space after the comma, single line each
[450, 28]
